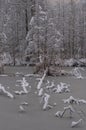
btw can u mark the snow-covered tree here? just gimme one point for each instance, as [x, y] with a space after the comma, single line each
[43, 38]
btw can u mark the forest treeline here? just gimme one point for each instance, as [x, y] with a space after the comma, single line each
[34, 31]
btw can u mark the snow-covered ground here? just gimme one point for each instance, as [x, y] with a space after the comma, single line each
[32, 116]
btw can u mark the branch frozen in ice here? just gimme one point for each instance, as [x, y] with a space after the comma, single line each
[5, 92]
[51, 86]
[45, 100]
[21, 109]
[70, 100]
[19, 92]
[42, 79]
[24, 103]
[32, 75]
[76, 72]
[61, 113]
[76, 123]
[40, 93]
[24, 85]
[61, 88]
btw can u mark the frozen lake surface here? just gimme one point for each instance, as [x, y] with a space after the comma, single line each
[34, 117]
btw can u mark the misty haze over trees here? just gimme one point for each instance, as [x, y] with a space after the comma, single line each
[34, 31]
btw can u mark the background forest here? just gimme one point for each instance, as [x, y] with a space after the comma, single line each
[34, 31]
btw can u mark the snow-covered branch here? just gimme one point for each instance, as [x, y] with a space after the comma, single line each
[3, 91]
[42, 79]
